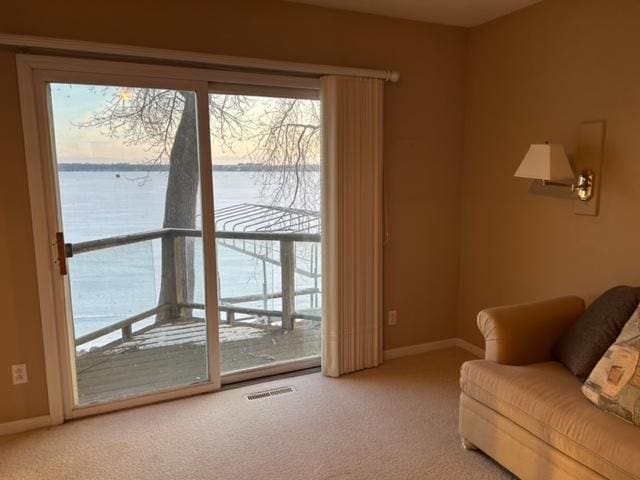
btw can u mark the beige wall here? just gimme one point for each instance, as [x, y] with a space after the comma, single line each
[20, 335]
[532, 76]
[424, 120]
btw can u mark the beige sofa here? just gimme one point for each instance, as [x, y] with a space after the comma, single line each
[528, 412]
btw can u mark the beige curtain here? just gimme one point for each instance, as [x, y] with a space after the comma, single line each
[352, 224]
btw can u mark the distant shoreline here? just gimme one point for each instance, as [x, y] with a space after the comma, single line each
[137, 167]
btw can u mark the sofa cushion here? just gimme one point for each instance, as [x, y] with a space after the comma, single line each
[546, 400]
[614, 383]
[584, 343]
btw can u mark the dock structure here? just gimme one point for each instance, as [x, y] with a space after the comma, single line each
[165, 346]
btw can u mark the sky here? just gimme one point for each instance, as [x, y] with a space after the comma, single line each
[73, 104]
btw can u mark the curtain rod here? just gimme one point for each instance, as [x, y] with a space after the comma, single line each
[186, 57]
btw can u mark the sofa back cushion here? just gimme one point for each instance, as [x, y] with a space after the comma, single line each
[614, 384]
[586, 341]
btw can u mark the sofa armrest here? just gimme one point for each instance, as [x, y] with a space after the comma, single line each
[524, 334]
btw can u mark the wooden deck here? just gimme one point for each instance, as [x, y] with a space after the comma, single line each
[174, 354]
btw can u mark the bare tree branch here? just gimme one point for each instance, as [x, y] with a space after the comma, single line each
[280, 134]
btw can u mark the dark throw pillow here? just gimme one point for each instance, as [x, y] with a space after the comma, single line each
[583, 345]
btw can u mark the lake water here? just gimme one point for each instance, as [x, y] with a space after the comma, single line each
[112, 284]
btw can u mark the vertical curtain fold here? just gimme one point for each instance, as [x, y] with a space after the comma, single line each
[352, 224]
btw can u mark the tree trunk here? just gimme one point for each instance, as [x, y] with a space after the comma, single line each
[177, 281]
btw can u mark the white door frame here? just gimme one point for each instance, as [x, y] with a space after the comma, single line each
[34, 72]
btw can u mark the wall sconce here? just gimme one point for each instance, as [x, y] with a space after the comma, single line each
[549, 163]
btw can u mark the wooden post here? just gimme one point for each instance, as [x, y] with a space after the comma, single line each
[183, 250]
[126, 332]
[265, 287]
[231, 317]
[178, 276]
[168, 291]
[314, 270]
[288, 275]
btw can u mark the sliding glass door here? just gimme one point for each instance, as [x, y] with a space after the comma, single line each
[160, 287]
[267, 183]
[128, 176]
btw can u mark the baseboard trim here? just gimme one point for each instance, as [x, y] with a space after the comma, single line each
[431, 346]
[18, 426]
[470, 347]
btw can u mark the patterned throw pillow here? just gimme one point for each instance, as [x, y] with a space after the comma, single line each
[614, 384]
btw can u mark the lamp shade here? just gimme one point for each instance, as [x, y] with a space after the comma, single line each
[545, 162]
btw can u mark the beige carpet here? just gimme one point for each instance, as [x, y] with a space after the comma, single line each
[395, 422]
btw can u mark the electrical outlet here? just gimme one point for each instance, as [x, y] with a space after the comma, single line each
[19, 373]
[393, 317]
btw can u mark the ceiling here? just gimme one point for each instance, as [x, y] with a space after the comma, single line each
[463, 13]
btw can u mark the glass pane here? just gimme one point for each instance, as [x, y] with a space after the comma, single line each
[128, 176]
[266, 154]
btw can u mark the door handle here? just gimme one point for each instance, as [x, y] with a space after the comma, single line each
[65, 250]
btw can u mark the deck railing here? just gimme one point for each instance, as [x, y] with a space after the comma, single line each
[173, 241]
